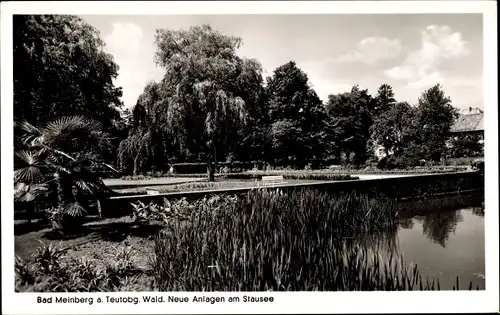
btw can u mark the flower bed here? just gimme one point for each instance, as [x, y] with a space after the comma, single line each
[302, 173]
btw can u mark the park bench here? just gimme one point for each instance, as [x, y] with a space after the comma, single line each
[269, 180]
[152, 191]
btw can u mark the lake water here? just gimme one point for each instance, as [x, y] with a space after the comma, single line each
[444, 243]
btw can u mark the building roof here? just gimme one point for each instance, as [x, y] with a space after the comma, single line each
[469, 122]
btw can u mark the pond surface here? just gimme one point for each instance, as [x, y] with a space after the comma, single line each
[444, 243]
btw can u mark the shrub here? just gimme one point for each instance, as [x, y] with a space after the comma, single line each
[190, 168]
[478, 164]
[50, 270]
[393, 162]
[200, 168]
[304, 175]
[466, 145]
[178, 209]
[25, 273]
[372, 161]
[269, 167]
[382, 164]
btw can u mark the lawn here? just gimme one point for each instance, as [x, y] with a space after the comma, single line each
[219, 184]
[237, 180]
[102, 245]
[118, 182]
[111, 231]
[197, 182]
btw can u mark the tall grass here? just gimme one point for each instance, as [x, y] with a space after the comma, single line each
[273, 241]
[300, 241]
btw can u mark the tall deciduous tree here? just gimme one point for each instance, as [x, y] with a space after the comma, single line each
[384, 99]
[248, 141]
[203, 67]
[61, 69]
[466, 145]
[436, 116]
[296, 115]
[350, 119]
[148, 143]
[396, 127]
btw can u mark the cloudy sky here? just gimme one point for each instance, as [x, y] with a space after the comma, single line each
[410, 52]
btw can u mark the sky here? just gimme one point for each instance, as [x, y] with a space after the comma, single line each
[411, 52]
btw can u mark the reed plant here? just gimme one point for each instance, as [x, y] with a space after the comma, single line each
[275, 241]
[269, 268]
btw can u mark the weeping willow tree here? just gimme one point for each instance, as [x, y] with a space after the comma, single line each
[218, 106]
[205, 74]
[147, 144]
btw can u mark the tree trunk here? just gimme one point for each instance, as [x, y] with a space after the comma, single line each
[60, 201]
[210, 169]
[99, 209]
[60, 192]
[30, 210]
[215, 153]
[136, 162]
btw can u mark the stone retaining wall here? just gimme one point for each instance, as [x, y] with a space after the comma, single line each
[394, 187]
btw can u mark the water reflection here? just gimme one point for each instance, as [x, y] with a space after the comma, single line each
[417, 208]
[383, 243]
[445, 243]
[479, 211]
[438, 226]
[406, 223]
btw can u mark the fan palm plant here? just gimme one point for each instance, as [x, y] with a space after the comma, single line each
[63, 154]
